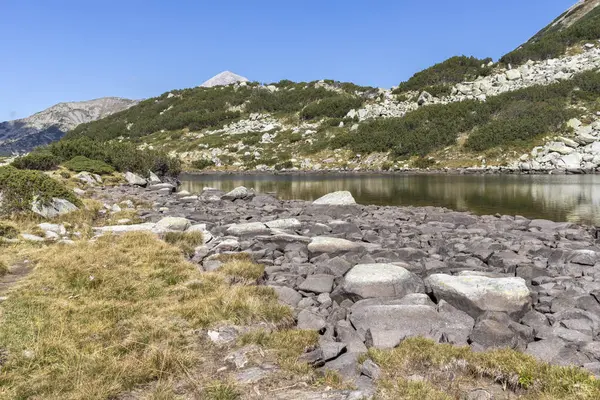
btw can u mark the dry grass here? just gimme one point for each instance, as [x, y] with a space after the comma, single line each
[97, 319]
[449, 371]
[186, 241]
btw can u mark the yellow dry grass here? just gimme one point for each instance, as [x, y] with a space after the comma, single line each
[448, 372]
[97, 319]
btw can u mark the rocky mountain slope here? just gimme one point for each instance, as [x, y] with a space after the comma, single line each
[463, 112]
[24, 134]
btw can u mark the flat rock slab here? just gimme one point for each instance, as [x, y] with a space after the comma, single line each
[381, 280]
[323, 244]
[318, 283]
[475, 294]
[145, 227]
[285, 224]
[341, 198]
[407, 321]
[247, 229]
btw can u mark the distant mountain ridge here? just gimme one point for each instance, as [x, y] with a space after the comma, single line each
[49, 125]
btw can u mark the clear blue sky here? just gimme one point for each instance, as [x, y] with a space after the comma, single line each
[66, 50]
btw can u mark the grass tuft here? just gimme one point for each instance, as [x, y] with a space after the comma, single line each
[186, 241]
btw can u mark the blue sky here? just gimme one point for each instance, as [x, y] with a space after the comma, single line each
[66, 50]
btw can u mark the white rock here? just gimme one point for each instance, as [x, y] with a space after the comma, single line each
[336, 198]
[570, 161]
[381, 280]
[173, 224]
[286, 223]
[56, 228]
[134, 179]
[475, 294]
[54, 208]
[322, 244]
[153, 178]
[513, 74]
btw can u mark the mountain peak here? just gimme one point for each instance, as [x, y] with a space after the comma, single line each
[223, 79]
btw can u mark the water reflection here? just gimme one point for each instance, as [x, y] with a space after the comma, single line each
[574, 198]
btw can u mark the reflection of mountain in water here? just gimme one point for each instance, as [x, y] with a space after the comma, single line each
[574, 198]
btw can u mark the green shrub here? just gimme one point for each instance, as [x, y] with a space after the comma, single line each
[8, 231]
[21, 187]
[284, 165]
[423, 163]
[252, 139]
[552, 42]
[41, 160]
[333, 107]
[82, 163]
[447, 73]
[122, 156]
[203, 163]
[508, 118]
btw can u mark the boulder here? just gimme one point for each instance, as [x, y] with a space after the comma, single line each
[135, 179]
[248, 229]
[318, 283]
[238, 193]
[476, 294]
[330, 245]
[285, 224]
[341, 198]
[153, 178]
[173, 224]
[569, 161]
[381, 280]
[513, 74]
[403, 321]
[54, 208]
[287, 295]
[115, 229]
[310, 321]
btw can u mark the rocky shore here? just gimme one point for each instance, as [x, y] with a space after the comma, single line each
[370, 276]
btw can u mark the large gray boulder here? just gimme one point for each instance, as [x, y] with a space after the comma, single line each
[285, 224]
[381, 280]
[173, 224]
[330, 245]
[341, 198]
[239, 192]
[403, 321]
[475, 294]
[248, 229]
[135, 179]
[52, 209]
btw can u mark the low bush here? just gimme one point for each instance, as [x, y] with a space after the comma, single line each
[21, 187]
[447, 73]
[552, 42]
[505, 119]
[423, 162]
[122, 156]
[39, 160]
[203, 163]
[333, 107]
[82, 163]
[8, 231]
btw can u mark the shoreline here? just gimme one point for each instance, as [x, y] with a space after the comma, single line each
[445, 171]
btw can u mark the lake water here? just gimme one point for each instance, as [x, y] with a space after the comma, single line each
[574, 198]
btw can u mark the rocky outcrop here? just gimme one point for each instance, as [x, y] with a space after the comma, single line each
[581, 152]
[22, 135]
[384, 274]
[503, 80]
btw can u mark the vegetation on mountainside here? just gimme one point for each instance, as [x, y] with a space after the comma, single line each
[41, 160]
[82, 163]
[552, 42]
[333, 107]
[505, 119]
[199, 108]
[439, 79]
[80, 153]
[20, 188]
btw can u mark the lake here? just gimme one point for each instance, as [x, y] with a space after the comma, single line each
[574, 198]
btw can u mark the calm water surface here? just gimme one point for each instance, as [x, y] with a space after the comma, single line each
[574, 198]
